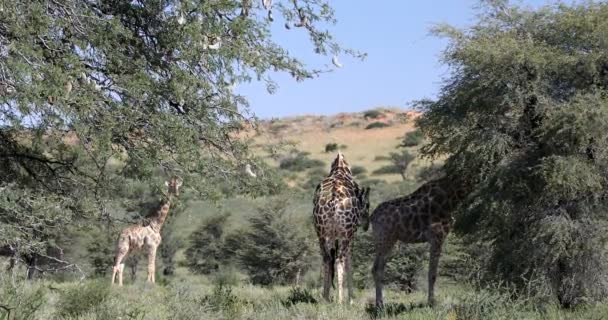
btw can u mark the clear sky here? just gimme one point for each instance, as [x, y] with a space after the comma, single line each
[402, 64]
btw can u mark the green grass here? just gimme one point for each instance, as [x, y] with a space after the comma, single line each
[194, 298]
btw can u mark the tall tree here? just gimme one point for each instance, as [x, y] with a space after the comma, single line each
[525, 114]
[97, 90]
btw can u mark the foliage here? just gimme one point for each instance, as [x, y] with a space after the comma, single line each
[429, 173]
[206, 252]
[81, 299]
[525, 116]
[358, 170]
[402, 268]
[20, 302]
[92, 92]
[299, 161]
[387, 169]
[270, 250]
[298, 295]
[315, 176]
[331, 147]
[412, 139]
[223, 299]
[373, 114]
[400, 163]
[100, 249]
[377, 125]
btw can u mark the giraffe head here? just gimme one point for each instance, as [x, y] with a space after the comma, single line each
[340, 164]
[173, 185]
[363, 197]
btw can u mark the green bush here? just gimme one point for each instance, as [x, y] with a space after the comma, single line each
[387, 169]
[298, 295]
[80, 299]
[315, 176]
[299, 161]
[412, 139]
[372, 182]
[373, 114]
[270, 249]
[377, 125]
[206, 252]
[222, 299]
[358, 170]
[331, 147]
[382, 158]
[20, 302]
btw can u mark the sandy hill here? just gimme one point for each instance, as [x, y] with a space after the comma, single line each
[361, 136]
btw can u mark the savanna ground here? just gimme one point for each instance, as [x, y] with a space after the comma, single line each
[187, 297]
[229, 294]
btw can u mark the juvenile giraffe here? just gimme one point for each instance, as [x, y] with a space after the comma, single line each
[340, 205]
[422, 216]
[145, 236]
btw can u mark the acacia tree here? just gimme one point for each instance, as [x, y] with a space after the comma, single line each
[95, 91]
[525, 114]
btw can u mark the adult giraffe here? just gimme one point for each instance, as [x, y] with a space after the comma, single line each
[340, 206]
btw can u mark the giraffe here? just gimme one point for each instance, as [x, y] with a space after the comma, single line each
[145, 236]
[422, 216]
[340, 206]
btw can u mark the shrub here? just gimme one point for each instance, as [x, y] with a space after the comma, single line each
[315, 176]
[412, 139]
[298, 162]
[222, 299]
[371, 182]
[20, 302]
[373, 114]
[206, 251]
[358, 170]
[331, 147]
[377, 125]
[298, 295]
[271, 250]
[80, 299]
[429, 173]
[387, 169]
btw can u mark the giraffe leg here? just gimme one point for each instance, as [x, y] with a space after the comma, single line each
[121, 269]
[326, 269]
[340, 266]
[151, 263]
[349, 278]
[121, 253]
[378, 273]
[436, 243]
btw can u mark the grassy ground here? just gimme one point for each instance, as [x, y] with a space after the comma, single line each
[196, 298]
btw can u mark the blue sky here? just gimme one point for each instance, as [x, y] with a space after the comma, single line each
[402, 64]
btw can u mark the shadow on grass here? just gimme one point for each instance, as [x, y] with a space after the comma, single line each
[392, 309]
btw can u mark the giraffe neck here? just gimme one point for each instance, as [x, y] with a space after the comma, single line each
[454, 190]
[161, 214]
